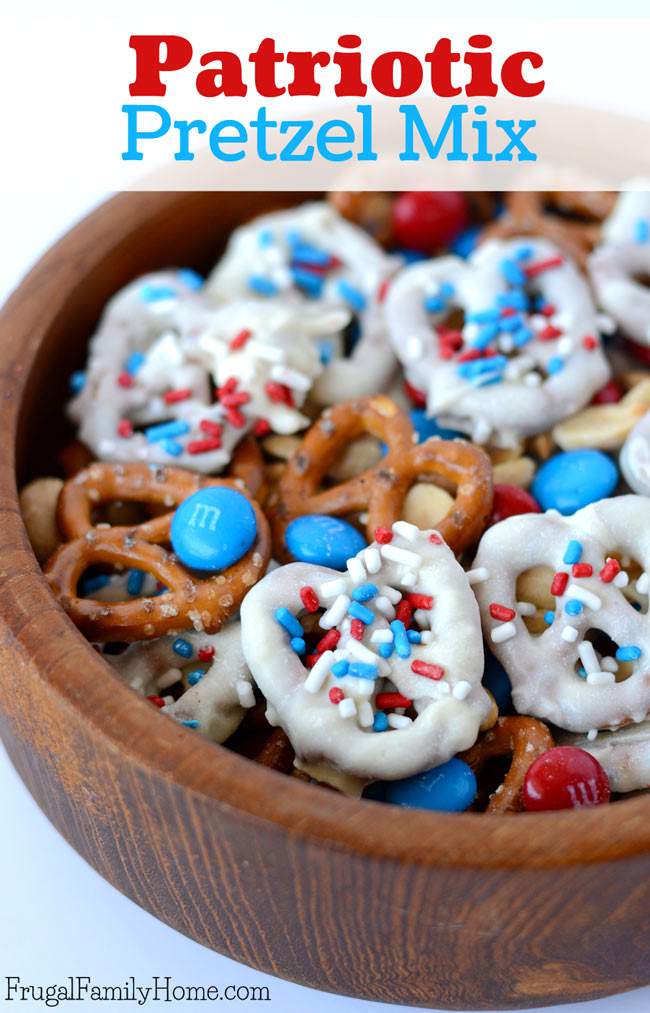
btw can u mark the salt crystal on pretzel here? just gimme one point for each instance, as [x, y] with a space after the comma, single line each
[549, 676]
[311, 254]
[326, 710]
[522, 290]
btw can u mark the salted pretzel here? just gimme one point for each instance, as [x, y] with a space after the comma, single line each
[204, 603]
[380, 491]
[522, 738]
[549, 214]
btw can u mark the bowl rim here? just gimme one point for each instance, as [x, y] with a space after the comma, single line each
[217, 775]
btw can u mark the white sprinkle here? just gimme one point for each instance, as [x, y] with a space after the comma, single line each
[383, 605]
[461, 690]
[506, 344]
[408, 579]
[481, 431]
[332, 588]
[422, 617]
[408, 531]
[592, 734]
[570, 634]
[506, 631]
[621, 579]
[168, 678]
[372, 559]
[245, 693]
[601, 678]
[588, 598]
[272, 715]
[366, 715]
[335, 612]
[426, 637]
[565, 346]
[403, 556]
[532, 379]
[526, 608]
[347, 708]
[399, 721]
[414, 348]
[588, 657]
[517, 367]
[357, 570]
[382, 637]
[363, 653]
[260, 350]
[318, 674]
[606, 325]
[643, 583]
[291, 378]
[609, 665]
[391, 593]
[478, 575]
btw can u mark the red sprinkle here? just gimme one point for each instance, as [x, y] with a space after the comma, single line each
[206, 653]
[239, 339]
[310, 660]
[235, 417]
[125, 380]
[502, 612]
[262, 427]
[356, 629]
[336, 694]
[470, 355]
[435, 538]
[383, 535]
[328, 642]
[548, 310]
[209, 427]
[172, 396]
[508, 311]
[228, 387]
[609, 570]
[559, 583]
[385, 701]
[543, 265]
[279, 393]
[549, 333]
[157, 701]
[420, 601]
[590, 342]
[418, 398]
[582, 570]
[434, 672]
[404, 612]
[203, 446]
[382, 291]
[125, 428]
[309, 598]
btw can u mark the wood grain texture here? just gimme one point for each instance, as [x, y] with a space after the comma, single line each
[455, 911]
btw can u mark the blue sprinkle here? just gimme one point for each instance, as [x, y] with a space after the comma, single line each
[172, 447]
[308, 281]
[573, 607]
[486, 336]
[524, 253]
[582, 672]
[157, 293]
[434, 304]
[192, 723]
[549, 618]
[513, 273]
[90, 585]
[426, 427]
[191, 279]
[516, 300]
[183, 648]
[167, 430]
[629, 653]
[447, 290]
[486, 380]
[133, 363]
[361, 670]
[77, 381]
[414, 636]
[386, 650]
[289, 622]
[134, 582]
[265, 238]
[476, 367]
[359, 611]
[402, 646]
[512, 323]
[465, 243]
[380, 724]
[573, 553]
[522, 336]
[490, 316]
[352, 295]
[365, 592]
[555, 365]
[325, 352]
[195, 676]
[305, 253]
[263, 286]
[641, 230]
[339, 669]
[298, 645]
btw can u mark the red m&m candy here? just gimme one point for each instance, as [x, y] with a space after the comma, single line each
[427, 220]
[565, 778]
[510, 500]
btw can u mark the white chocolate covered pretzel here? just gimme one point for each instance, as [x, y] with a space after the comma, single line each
[381, 697]
[578, 682]
[525, 352]
[624, 755]
[635, 457]
[219, 683]
[312, 254]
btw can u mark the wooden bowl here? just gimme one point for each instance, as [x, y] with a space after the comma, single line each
[352, 897]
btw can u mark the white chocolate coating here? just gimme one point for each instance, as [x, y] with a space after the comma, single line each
[635, 457]
[218, 701]
[614, 270]
[543, 669]
[448, 711]
[632, 206]
[529, 394]
[263, 248]
[624, 755]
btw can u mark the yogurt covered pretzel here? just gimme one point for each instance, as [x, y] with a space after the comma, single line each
[561, 675]
[219, 688]
[401, 632]
[162, 354]
[635, 457]
[527, 353]
[624, 755]
[310, 253]
[619, 266]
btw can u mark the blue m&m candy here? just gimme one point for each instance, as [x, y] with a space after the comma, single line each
[213, 528]
[324, 540]
[427, 427]
[572, 480]
[451, 788]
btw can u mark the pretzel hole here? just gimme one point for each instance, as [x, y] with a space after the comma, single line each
[361, 454]
[351, 336]
[119, 513]
[490, 775]
[534, 586]
[642, 279]
[639, 601]
[453, 320]
[100, 582]
[605, 648]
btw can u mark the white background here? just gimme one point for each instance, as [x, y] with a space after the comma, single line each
[57, 917]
